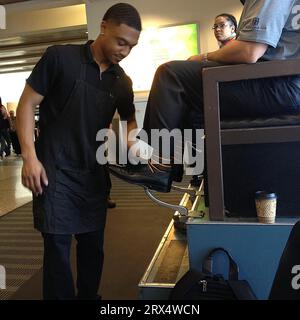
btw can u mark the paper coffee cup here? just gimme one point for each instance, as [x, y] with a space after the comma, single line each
[265, 203]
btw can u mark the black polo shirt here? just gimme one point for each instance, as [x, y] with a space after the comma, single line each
[55, 74]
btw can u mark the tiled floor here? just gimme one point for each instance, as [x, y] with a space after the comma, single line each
[12, 192]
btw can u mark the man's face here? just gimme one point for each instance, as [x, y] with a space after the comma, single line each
[117, 41]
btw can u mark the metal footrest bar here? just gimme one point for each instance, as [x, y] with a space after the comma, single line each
[181, 209]
[193, 193]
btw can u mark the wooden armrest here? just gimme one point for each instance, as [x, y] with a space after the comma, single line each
[258, 70]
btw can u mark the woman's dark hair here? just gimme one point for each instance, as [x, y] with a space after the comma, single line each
[229, 18]
[124, 13]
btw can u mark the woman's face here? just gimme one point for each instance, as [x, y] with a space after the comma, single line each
[223, 28]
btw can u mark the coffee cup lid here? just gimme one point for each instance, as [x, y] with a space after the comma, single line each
[265, 195]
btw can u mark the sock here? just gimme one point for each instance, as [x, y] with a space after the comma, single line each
[140, 152]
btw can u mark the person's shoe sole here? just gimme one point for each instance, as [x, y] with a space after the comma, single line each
[154, 187]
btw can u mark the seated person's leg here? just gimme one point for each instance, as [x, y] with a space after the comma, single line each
[174, 99]
[175, 103]
[176, 89]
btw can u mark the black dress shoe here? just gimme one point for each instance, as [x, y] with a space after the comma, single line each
[153, 176]
[177, 172]
[111, 203]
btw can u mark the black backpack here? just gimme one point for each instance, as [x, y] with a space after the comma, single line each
[205, 285]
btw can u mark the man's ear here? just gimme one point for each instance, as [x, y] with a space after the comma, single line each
[103, 27]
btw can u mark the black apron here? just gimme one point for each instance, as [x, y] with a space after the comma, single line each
[75, 199]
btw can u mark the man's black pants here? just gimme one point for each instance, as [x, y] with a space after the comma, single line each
[57, 277]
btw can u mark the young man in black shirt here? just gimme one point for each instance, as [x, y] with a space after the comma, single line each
[78, 89]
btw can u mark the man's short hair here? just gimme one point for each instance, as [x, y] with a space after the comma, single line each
[124, 13]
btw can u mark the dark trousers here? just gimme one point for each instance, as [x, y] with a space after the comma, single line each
[5, 142]
[3, 145]
[176, 97]
[15, 142]
[57, 276]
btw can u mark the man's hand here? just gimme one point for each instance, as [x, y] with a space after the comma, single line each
[33, 173]
[235, 52]
[34, 176]
[198, 57]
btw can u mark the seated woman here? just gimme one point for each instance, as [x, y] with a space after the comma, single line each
[225, 28]
[176, 98]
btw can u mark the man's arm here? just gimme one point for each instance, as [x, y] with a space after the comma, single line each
[235, 52]
[131, 125]
[33, 172]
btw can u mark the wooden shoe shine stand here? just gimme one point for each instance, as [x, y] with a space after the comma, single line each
[256, 247]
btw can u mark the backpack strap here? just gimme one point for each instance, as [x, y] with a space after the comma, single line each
[207, 266]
